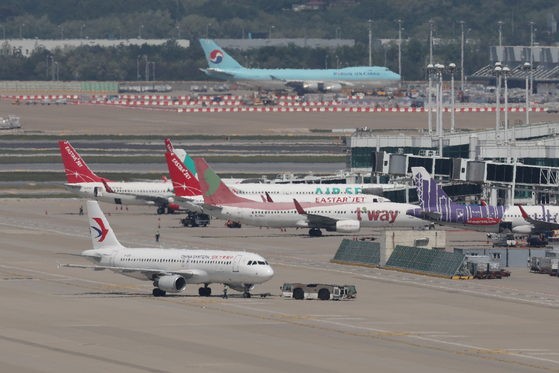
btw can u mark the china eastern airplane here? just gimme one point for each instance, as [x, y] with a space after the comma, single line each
[188, 194]
[436, 206]
[83, 182]
[319, 193]
[220, 202]
[223, 66]
[171, 269]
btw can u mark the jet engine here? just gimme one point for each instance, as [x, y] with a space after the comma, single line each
[522, 229]
[171, 284]
[310, 87]
[332, 87]
[348, 226]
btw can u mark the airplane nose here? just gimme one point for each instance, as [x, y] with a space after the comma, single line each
[268, 273]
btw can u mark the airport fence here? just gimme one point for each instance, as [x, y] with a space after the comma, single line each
[56, 86]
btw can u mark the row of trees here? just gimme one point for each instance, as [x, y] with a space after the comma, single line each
[174, 63]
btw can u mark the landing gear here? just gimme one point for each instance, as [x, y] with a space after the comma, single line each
[170, 210]
[248, 287]
[205, 291]
[158, 293]
[160, 210]
[315, 232]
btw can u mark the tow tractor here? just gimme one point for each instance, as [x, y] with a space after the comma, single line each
[195, 219]
[318, 291]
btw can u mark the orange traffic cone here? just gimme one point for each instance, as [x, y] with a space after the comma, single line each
[46, 213]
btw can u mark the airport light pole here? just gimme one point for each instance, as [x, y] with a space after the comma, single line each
[52, 66]
[138, 67]
[462, 59]
[440, 70]
[527, 68]
[147, 68]
[532, 55]
[326, 62]
[47, 69]
[500, 33]
[81, 31]
[399, 47]
[153, 70]
[370, 44]
[498, 72]
[140, 31]
[57, 71]
[452, 69]
[506, 72]
[207, 29]
[431, 42]
[20, 26]
[337, 62]
[243, 32]
[61, 31]
[430, 71]
[270, 35]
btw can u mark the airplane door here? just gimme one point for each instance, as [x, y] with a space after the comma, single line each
[113, 256]
[236, 262]
[98, 192]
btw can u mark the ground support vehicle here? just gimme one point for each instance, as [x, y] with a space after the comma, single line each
[318, 291]
[45, 101]
[16, 102]
[195, 219]
[545, 265]
[232, 224]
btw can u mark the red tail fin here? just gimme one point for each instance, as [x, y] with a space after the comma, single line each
[213, 189]
[76, 169]
[184, 183]
[168, 145]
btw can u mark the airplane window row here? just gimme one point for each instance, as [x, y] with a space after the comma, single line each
[255, 262]
[175, 261]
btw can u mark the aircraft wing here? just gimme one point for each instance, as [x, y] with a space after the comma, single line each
[539, 226]
[148, 272]
[218, 73]
[315, 219]
[75, 187]
[188, 203]
[160, 200]
[301, 83]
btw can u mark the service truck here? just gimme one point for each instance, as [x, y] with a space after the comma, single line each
[318, 291]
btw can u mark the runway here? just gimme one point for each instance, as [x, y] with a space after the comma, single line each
[68, 320]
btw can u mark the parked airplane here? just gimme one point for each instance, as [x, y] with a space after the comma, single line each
[189, 196]
[319, 193]
[436, 206]
[83, 182]
[220, 202]
[223, 66]
[172, 269]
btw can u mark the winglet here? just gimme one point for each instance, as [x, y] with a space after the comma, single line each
[268, 198]
[107, 187]
[524, 214]
[164, 178]
[483, 203]
[263, 198]
[299, 207]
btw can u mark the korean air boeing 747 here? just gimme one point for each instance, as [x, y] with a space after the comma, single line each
[223, 66]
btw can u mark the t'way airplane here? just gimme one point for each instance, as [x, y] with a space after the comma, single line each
[223, 66]
[172, 269]
[220, 202]
[83, 182]
[436, 206]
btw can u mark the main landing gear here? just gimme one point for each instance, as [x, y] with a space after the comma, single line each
[205, 291]
[246, 294]
[160, 210]
[315, 232]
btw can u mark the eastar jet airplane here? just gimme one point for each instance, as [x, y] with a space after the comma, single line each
[220, 202]
[83, 182]
[172, 269]
[223, 66]
[319, 193]
[436, 206]
[189, 196]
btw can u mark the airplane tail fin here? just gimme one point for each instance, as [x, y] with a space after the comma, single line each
[183, 156]
[76, 169]
[184, 183]
[216, 57]
[431, 195]
[215, 192]
[102, 235]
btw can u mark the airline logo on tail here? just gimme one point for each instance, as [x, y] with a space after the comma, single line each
[216, 56]
[184, 182]
[102, 232]
[75, 157]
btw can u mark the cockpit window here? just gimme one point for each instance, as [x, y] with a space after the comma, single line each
[249, 262]
[262, 263]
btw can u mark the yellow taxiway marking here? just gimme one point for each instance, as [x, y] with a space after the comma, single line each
[393, 334]
[296, 317]
[493, 351]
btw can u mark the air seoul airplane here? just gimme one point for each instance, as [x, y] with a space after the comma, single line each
[319, 193]
[220, 202]
[436, 206]
[188, 193]
[172, 269]
[223, 66]
[83, 182]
